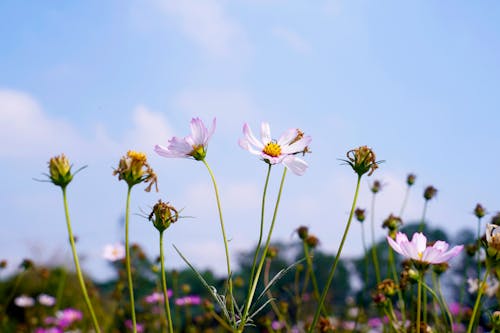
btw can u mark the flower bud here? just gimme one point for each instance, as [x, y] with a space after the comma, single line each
[495, 320]
[379, 298]
[440, 268]
[3, 264]
[496, 219]
[360, 214]
[272, 252]
[479, 211]
[303, 231]
[471, 249]
[239, 282]
[312, 241]
[376, 186]
[430, 192]
[410, 179]
[387, 287]
[392, 223]
[362, 160]
[163, 215]
[26, 264]
[60, 171]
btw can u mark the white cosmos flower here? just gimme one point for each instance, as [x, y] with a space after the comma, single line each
[24, 301]
[283, 150]
[194, 145]
[114, 252]
[418, 250]
[46, 300]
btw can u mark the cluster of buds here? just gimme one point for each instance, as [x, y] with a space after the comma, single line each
[360, 215]
[163, 215]
[496, 219]
[410, 179]
[134, 169]
[392, 223]
[430, 192]
[362, 160]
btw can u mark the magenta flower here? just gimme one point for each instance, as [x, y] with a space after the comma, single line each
[128, 325]
[283, 150]
[67, 317]
[156, 297]
[418, 250]
[188, 300]
[194, 145]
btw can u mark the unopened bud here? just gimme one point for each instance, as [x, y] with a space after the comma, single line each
[479, 211]
[272, 252]
[376, 186]
[440, 268]
[312, 241]
[303, 231]
[360, 214]
[430, 192]
[163, 215]
[60, 171]
[392, 223]
[410, 179]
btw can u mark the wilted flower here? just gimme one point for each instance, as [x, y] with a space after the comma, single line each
[312, 241]
[134, 169]
[24, 301]
[479, 211]
[114, 252]
[283, 150]
[392, 223]
[194, 145]
[46, 300]
[163, 215]
[387, 287]
[430, 192]
[362, 160]
[418, 251]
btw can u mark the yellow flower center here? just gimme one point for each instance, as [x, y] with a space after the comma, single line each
[137, 156]
[272, 149]
[420, 255]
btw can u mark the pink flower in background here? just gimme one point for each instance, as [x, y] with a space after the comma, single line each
[157, 297]
[129, 325]
[283, 150]
[194, 145]
[188, 300]
[24, 301]
[114, 252]
[418, 250]
[46, 300]
[67, 317]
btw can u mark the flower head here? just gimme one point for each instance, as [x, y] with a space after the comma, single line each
[430, 192]
[360, 214]
[410, 179]
[60, 170]
[114, 252]
[46, 300]
[283, 150]
[67, 317]
[362, 160]
[194, 145]
[163, 215]
[134, 169]
[24, 301]
[188, 300]
[493, 241]
[418, 251]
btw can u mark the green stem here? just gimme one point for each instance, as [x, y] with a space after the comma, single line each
[127, 261]
[263, 257]
[405, 200]
[478, 253]
[261, 231]
[226, 247]
[481, 288]
[164, 285]
[337, 257]
[395, 277]
[77, 265]
[310, 271]
[422, 222]
[419, 299]
[444, 304]
[269, 294]
[363, 239]
[374, 245]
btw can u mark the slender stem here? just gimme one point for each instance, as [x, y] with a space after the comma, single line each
[444, 304]
[405, 200]
[395, 277]
[363, 239]
[226, 247]
[310, 271]
[422, 222]
[263, 256]
[337, 257]
[481, 288]
[261, 231]
[478, 253]
[221, 321]
[419, 299]
[164, 285]
[77, 264]
[374, 245]
[60, 288]
[269, 294]
[127, 261]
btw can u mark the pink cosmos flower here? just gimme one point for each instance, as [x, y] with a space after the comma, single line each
[114, 252]
[418, 250]
[194, 145]
[67, 317]
[283, 150]
[188, 300]
[46, 300]
[157, 297]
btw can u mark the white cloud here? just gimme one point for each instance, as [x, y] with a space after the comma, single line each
[207, 24]
[293, 39]
[26, 131]
[149, 128]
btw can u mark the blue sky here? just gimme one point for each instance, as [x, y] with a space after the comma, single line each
[416, 81]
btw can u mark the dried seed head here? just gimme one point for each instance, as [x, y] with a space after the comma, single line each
[163, 215]
[303, 231]
[362, 160]
[134, 169]
[360, 214]
[312, 241]
[430, 192]
[410, 179]
[479, 211]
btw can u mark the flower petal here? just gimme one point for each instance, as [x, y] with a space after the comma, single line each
[245, 144]
[395, 245]
[296, 165]
[251, 138]
[297, 146]
[287, 137]
[199, 133]
[265, 133]
[419, 241]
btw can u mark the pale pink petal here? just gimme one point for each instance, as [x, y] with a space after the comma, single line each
[296, 165]
[395, 245]
[431, 255]
[419, 241]
[410, 250]
[451, 253]
[211, 130]
[400, 237]
[165, 152]
[251, 138]
[441, 246]
[198, 132]
[287, 137]
[245, 144]
[265, 133]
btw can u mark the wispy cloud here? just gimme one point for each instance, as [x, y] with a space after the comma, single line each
[208, 25]
[292, 39]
